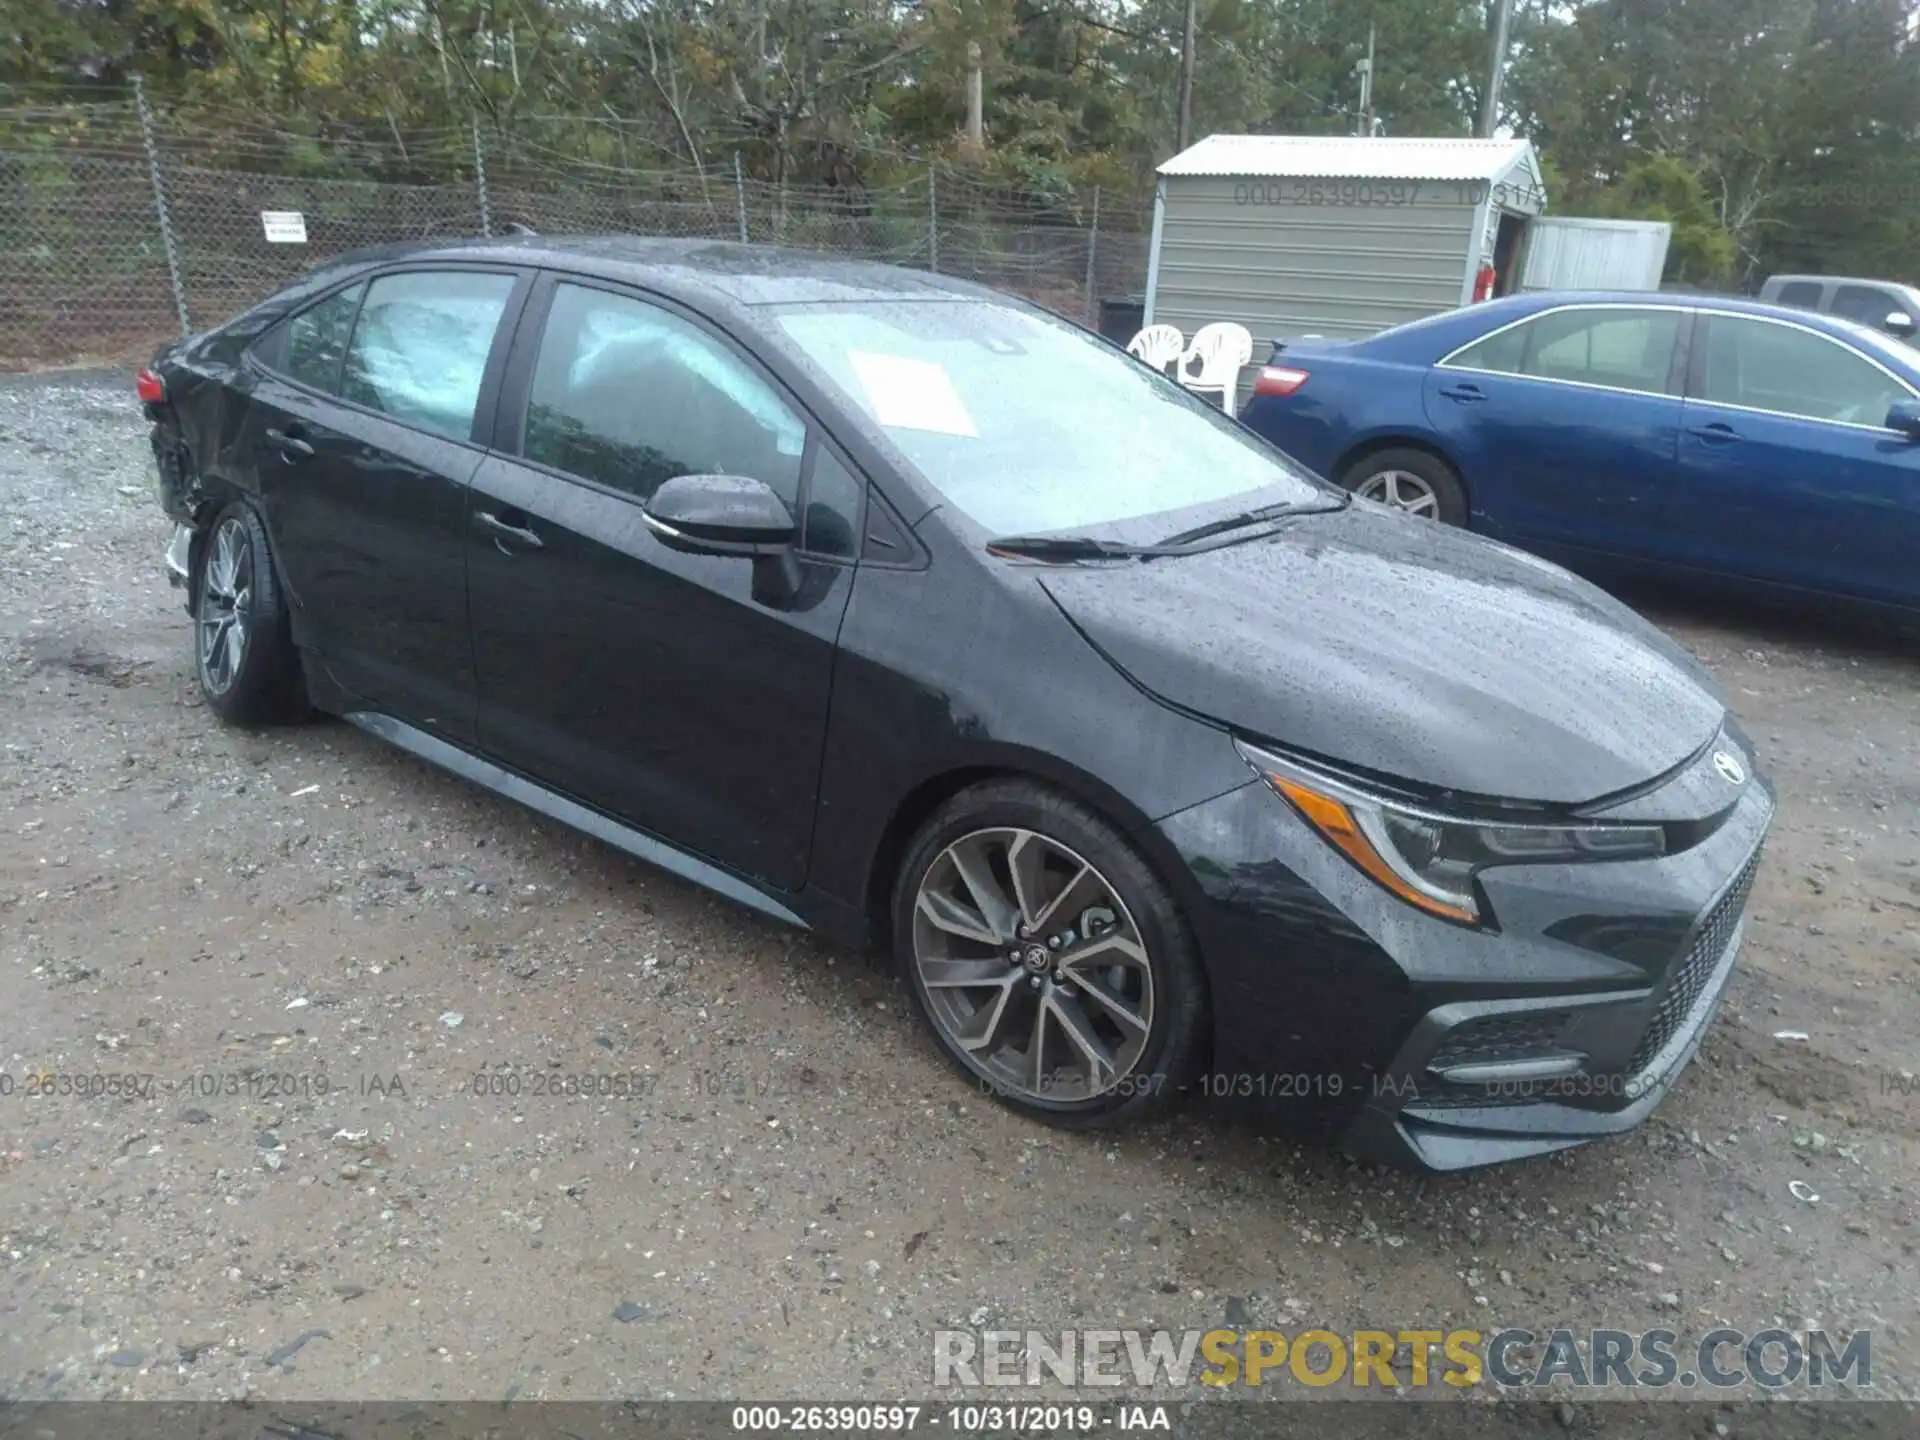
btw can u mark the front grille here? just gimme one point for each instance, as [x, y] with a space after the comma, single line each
[1432, 1093]
[1485, 1040]
[1689, 978]
[1517, 1035]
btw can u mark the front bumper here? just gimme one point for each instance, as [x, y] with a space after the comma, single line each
[1440, 1123]
[1342, 1014]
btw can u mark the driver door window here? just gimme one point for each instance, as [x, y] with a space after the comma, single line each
[630, 395]
[1762, 365]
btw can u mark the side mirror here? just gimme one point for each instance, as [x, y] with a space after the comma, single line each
[1904, 416]
[719, 515]
[1899, 323]
[730, 515]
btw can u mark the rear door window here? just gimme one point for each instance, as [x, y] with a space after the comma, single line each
[1500, 352]
[420, 347]
[1616, 349]
[1801, 294]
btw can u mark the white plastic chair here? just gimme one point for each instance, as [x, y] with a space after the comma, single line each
[1214, 359]
[1158, 346]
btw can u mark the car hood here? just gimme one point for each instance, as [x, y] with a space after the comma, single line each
[1400, 647]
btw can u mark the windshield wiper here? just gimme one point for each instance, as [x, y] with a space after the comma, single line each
[1186, 542]
[1068, 547]
[1245, 518]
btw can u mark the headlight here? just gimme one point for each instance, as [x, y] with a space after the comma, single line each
[1429, 860]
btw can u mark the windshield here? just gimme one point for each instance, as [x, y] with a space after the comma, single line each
[1029, 425]
[1877, 343]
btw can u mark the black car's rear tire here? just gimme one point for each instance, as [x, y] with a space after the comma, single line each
[1417, 481]
[1109, 970]
[243, 651]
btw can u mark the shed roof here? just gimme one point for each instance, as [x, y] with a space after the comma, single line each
[1354, 156]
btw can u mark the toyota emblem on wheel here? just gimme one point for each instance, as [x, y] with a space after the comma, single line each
[1730, 769]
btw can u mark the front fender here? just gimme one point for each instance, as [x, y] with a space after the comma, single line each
[923, 702]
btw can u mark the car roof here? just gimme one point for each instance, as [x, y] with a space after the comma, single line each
[1421, 341]
[721, 273]
[1680, 299]
[1838, 280]
[1514, 306]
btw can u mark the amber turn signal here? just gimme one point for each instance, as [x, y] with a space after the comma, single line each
[1335, 821]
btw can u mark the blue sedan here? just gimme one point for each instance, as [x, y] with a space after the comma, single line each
[1665, 433]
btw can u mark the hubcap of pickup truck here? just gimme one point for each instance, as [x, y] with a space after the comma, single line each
[226, 602]
[1403, 490]
[1032, 966]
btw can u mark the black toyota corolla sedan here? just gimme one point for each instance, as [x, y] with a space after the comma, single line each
[900, 610]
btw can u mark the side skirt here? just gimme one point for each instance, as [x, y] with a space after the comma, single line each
[568, 812]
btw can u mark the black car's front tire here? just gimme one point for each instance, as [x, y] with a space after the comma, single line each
[1415, 481]
[243, 651]
[1053, 966]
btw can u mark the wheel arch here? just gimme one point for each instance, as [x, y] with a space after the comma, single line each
[938, 786]
[1401, 440]
[219, 496]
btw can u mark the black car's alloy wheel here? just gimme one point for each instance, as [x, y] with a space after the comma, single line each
[1050, 961]
[243, 648]
[226, 605]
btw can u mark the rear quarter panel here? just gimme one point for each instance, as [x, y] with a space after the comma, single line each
[1347, 404]
[208, 386]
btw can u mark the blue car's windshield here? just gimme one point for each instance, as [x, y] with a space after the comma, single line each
[1883, 347]
[1029, 425]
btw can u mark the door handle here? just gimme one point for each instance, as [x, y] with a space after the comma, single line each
[507, 537]
[1464, 394]
[1718, 433]
[290, 445]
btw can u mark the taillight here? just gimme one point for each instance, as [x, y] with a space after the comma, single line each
[151, 389]
[1279, 380]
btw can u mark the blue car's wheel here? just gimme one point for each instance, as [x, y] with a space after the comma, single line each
[1413, 481]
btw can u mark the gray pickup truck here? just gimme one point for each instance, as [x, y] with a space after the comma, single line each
[1879, 304]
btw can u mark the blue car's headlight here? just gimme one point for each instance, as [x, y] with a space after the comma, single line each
[1427, 859]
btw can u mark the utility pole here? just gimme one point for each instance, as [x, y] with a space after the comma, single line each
[156, 177]
[1365, 70]
[976, 101]
[1184, 135]
[760, 50]
[1490, 108]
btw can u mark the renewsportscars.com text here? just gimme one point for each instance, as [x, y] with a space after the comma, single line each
[1390, 1360]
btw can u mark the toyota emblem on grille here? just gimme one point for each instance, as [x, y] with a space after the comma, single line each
[1730, 769]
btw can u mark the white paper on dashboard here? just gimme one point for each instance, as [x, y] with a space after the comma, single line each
[912, 394]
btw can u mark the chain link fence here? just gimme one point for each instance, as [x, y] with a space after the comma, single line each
[121, 225]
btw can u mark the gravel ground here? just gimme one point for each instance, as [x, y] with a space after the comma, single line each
[799, 1192]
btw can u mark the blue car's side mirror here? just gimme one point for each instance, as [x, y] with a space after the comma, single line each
[1905, 417]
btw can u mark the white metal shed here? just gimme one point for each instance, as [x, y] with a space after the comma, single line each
[1572, 253]
[1335, 235]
